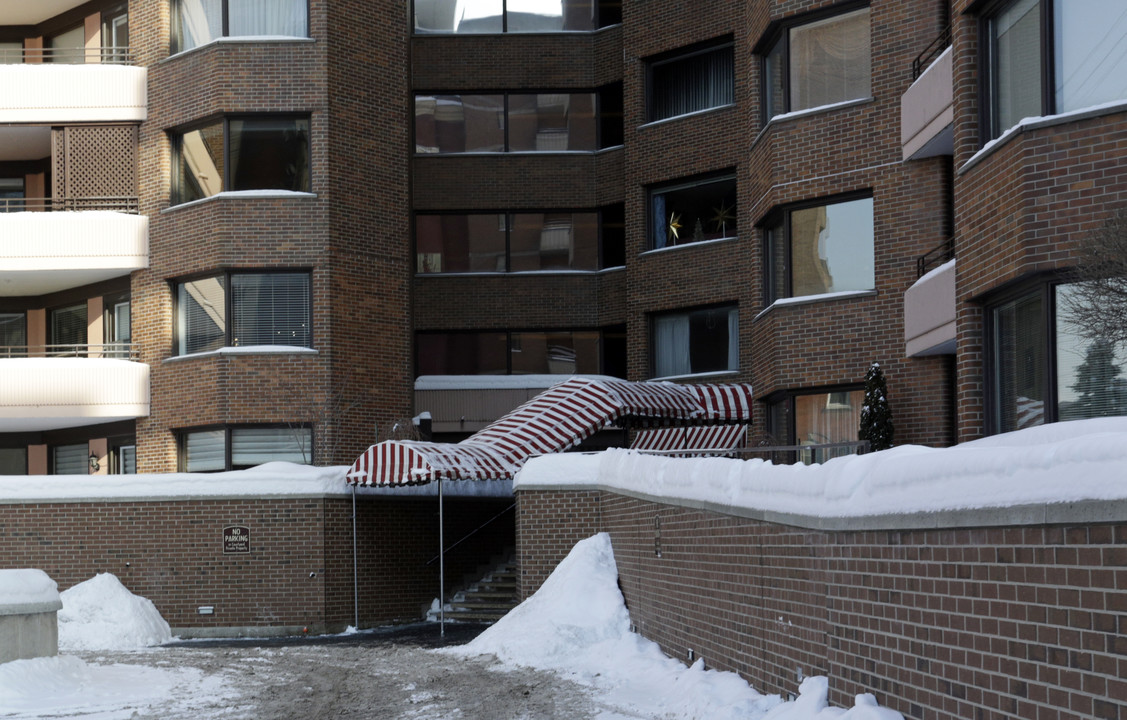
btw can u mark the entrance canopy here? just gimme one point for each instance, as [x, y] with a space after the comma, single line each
[557, 419]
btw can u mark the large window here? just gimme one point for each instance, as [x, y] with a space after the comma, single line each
[692, 81]
[514, 16]
[1085, 66]
[693, 211]
[1043, 368]
[696, 341]
[13, 334]
[819, 249]
[518, 242]
[239, 309]
[817, 63]
[238, 447]
[12, 194]
[70, 459]
[67, 328]
[545, 352]
[260, 152]
[816, 418]
[13, 461]
[196, 22]
[540, 122]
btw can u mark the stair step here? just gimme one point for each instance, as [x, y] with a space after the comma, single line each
[469, 604]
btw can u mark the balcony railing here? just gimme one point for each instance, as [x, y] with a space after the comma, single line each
[116, 204]
[113, 351]
[68, 56]
[935, 257]
[932, 51]
[780, 454]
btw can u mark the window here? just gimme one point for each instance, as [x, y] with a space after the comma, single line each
[1084, 67]
[518, 122]
[817, 63]
[523, 352]
[13, 334]
[693, 212]
[67, 47]
[517, 242]
[123, 458]
[115, 34]
[691, 81]
[13, 461]
[696, 341]
[70, 459]
[12, 194]
[197, 22]
[818, 249]
[238, 447]
[67, 326]
[241, 153]
[816, 418]
[1042, 366]
[264, 308]
[514, 16]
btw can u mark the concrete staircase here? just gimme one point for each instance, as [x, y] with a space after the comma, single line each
[488, 599]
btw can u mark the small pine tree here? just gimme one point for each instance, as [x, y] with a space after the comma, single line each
[876, 418]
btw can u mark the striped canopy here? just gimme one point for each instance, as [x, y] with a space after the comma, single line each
[557, 419]
[694, 437]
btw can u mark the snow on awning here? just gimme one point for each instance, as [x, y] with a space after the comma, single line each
[695, 437]
[555, 420]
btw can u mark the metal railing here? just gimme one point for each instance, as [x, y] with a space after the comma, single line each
[932, 51]
[114, 351]
[68, 56]
[130, 205]
[935, 257]
[778, 454]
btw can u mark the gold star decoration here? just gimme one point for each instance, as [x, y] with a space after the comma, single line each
[722, 216]
[675, 226]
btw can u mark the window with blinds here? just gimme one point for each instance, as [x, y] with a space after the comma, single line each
[207, 450]
[68, 327]
[692, 82]
[263, 308]
[70, 460]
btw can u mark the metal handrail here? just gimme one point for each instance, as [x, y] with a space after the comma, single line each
[115, 351]
[932, 51]
[130, 205]
[935, 257]
[68, 56]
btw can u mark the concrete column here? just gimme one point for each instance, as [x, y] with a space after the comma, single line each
[35, 43]
[99, 448]
[95, 331]
[37, 460]
[36, 331]
[93, 36]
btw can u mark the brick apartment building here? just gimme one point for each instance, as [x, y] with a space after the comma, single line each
[250, 226]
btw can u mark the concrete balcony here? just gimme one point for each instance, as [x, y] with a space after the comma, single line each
[44, 252]
[49, 393]
[929, 313]
[60, 93]
[927, 112]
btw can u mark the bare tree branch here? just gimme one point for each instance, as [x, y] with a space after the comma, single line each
[1097, 304]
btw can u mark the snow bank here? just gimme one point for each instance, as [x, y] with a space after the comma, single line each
[102, 615]
[1056, 463]
[27, 587]
[812, 704]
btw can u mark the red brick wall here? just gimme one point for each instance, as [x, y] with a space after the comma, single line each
[171, 553]
[985, 623]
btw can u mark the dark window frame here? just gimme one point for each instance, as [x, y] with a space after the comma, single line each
[651, 322]
[227, 428]
[657, 62]
[683, 184]
[600, 212]
[175, 34]
[176, 139]
[780, 217]
[226, 274]
[778, 34]
[600, 6]
[988, 77]
[509, 334]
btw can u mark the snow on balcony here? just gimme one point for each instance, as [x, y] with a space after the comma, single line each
[48, 393]
[43, 252]
[59, 93]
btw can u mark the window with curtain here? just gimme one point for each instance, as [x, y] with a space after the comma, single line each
[695, 81]
[270, 308]
[242, 153]
[816, 418]
[1073, 48]
[514, 16]
[237, 447]
[513, 122]
[818, 63]
[693, 211]
[820, 249]
[695, 341]
[197, 22]
[67, 47]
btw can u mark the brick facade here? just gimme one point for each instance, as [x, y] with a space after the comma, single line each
[955, 622]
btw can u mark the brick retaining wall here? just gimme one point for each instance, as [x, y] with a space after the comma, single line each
[987, 623]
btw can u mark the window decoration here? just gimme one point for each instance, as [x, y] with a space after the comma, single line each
[1034, 45]
[691, 81]
[198, 22]
[264, 308]
[696, 341]
[238, 447]
[818, 63]
[242, 153]
[819, 249]
[693, 212]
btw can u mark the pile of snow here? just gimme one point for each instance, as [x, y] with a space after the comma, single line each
[27, 587]
[577, 624]
[102, 615]
[1056, 463]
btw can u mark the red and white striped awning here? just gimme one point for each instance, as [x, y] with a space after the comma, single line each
[557, 419]
[697, 438]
